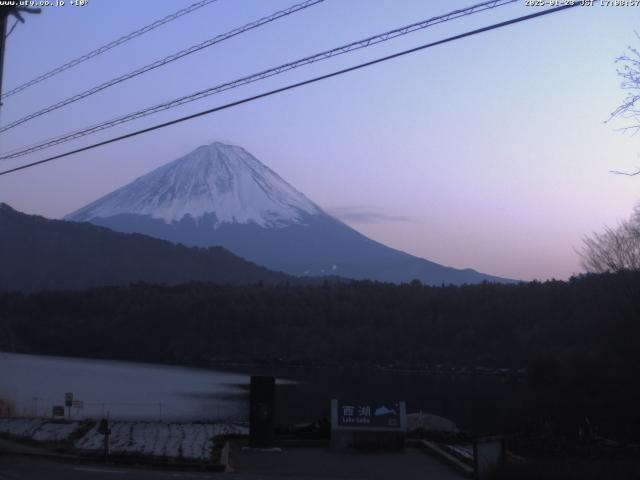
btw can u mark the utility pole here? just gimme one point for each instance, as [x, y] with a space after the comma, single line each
[4, 14]
[5, 11]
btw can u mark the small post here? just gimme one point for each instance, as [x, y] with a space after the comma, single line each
[489, 456]
[106, 431]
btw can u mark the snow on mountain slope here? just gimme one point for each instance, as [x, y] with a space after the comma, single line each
[219, 179]
[220, 195]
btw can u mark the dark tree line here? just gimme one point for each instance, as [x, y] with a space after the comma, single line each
[576, 340]
[596, 316]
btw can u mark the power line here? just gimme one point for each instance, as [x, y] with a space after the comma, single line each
[164, 61]
[296, 85]
[109, 46]
[383, 37]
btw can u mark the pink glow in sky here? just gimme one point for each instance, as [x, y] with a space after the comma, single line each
[489, 152]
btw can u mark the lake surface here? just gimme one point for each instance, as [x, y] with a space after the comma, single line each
[122, 389]
[479, 404]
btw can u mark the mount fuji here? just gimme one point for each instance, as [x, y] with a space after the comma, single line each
[221, 195]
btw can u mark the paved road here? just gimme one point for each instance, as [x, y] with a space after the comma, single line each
[29, 468]
[291, 464]
[12, 447]
[321, 464]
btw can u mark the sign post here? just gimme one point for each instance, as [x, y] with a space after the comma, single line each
[78, 405]
[368, 425]
[68, 402]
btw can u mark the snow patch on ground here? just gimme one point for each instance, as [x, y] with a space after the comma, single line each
[193, 441]
[463, 452]
[189, 441]
[38, 429]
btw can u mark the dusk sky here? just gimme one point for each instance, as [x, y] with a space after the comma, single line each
[490, 152]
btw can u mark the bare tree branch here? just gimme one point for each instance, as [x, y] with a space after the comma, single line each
[628, 174]
[615, 250]
[629, 72]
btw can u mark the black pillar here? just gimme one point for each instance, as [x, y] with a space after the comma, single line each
[261, 414]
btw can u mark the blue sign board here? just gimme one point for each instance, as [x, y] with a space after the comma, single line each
[373, 415]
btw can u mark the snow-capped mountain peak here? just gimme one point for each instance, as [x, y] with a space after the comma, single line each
[219, 179]
[220, 195]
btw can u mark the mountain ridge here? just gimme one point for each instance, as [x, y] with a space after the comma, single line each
[38, 253]
[222, 195]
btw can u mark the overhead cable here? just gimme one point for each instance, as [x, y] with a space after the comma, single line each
[364, 43]
[108, 46]
[293, 86]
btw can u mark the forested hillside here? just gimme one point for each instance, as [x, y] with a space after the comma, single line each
[591, 318]
[37, 253]
[577, 341]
